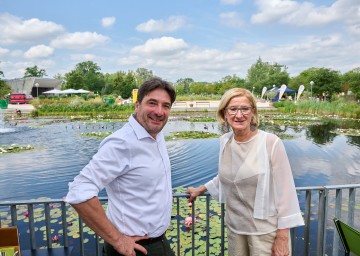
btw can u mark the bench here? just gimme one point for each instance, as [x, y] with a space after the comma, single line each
[202, 104]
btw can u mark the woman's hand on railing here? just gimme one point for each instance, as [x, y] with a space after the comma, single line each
[195, 192]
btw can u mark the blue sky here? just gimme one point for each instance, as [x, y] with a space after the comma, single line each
[201, 39]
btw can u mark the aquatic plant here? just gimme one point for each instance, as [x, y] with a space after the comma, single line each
[14, 148]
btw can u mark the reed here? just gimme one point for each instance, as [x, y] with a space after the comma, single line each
[340, 107]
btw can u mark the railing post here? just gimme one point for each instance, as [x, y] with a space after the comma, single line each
[81, 234]
[47, 225]
[351, 206]
[321, 222]
[193, 228]
[207, 225]
[64, 223]
[13, 215]
[178, 224]
[338, 203]
[222, 229]
[31, 225]
[307, 223]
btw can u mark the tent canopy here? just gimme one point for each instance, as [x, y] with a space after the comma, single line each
[288, 90]
[277, 89]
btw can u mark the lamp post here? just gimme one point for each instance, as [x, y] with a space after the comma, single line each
[37, 90]
[311, 85]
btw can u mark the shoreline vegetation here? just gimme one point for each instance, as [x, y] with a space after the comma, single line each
[114, 109]
[343, 113]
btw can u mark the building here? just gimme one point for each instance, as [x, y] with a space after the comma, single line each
[33, 86]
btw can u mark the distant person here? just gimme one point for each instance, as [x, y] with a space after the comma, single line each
[134, 167]
[254, 180]
[18, 112]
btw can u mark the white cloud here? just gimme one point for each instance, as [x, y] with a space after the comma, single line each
[302, 14]
[16, 53]
[39, 51]
[4, 51]
[354, 30]
[160, 47]
[172, 24]
[14, 30]
[79, 40]
[82, 57]
[231, 19]
[210, 64]
[108, 21]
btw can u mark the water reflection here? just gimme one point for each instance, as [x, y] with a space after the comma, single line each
[321, 133]
[317, 156]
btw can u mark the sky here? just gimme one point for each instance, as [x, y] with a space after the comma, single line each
[205, 40]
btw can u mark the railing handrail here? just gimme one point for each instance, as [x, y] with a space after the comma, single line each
[321, 206]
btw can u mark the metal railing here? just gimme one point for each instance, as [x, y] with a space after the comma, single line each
[61, 226]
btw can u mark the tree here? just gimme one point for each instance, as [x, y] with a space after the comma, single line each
[327, 82]
[263, 74]
[34, 72]
[60, 77]
[142, 74]
[352, 79]
[4, 87]
[124, 84]
[198, 88]
[229, 82]
[184, 83]
[74, 80]
[86, 75]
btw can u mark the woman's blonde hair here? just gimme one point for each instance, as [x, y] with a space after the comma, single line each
[228, 96]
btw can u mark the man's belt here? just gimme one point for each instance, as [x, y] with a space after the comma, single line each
[151, 240]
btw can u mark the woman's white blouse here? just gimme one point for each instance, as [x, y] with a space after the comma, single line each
[275, 192]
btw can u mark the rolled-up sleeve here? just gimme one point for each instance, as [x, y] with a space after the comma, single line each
[81, 190]
[103, 168]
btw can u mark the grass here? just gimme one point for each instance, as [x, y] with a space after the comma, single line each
[340, 107]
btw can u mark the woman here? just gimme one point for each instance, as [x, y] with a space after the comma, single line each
[254, 180]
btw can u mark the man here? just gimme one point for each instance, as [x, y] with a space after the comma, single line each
[134, 167]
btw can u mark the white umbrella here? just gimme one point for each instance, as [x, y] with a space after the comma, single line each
[82, 91]
[53, 91]
[69, 91]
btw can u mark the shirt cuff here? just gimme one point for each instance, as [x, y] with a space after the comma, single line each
[291, 221]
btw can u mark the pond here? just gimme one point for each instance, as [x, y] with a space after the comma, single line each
[317, 154]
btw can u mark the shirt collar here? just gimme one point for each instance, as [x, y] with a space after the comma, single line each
[140, 131]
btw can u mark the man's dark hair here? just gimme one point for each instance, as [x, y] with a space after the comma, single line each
[155, 83]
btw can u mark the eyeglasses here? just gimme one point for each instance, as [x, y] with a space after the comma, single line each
[234, 110]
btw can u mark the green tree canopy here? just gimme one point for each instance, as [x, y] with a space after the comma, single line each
[34, 72]
[198, 88]
[142, 74]
[327, 82]
[183, 84]
[4, 87]
[86, 75]
[74, 80]
[124, 84]
[263, 74]
[229, 82]
[352, 79]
